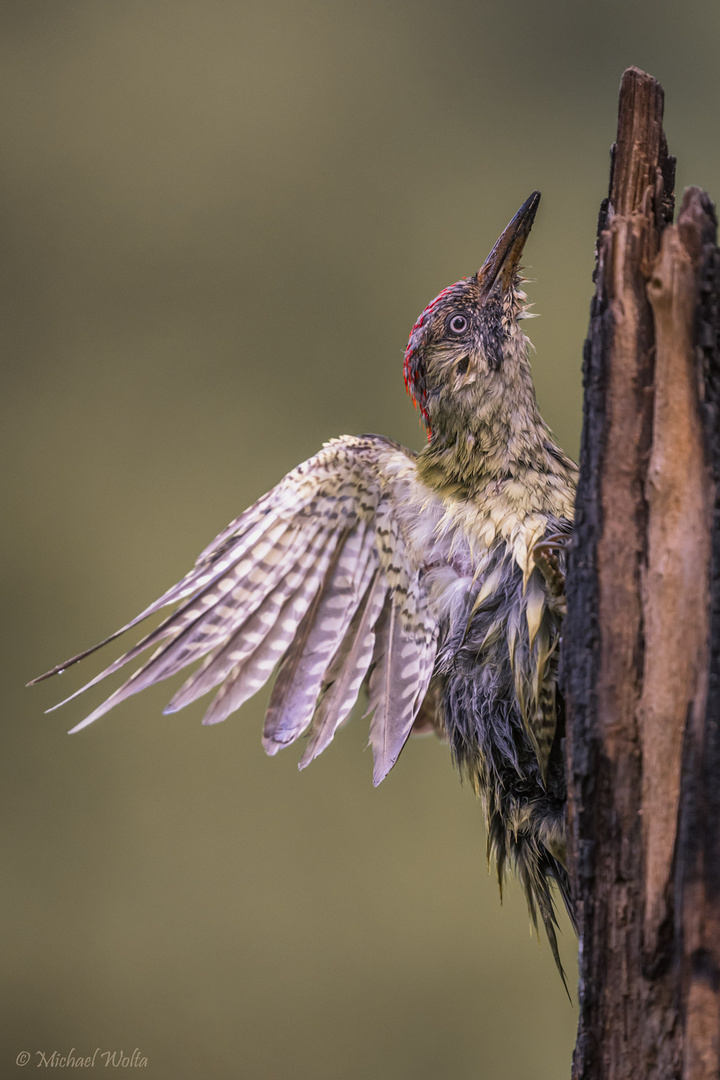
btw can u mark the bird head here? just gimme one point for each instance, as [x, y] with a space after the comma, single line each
[466, 348]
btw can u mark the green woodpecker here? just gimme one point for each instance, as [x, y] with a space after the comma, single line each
[435, 580]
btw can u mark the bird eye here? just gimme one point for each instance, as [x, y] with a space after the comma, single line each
[458, 324]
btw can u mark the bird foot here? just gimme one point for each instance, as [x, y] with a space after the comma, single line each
[547, 562]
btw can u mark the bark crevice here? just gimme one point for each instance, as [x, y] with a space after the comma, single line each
[641, 660]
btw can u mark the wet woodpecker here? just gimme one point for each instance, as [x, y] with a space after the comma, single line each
[434, 580]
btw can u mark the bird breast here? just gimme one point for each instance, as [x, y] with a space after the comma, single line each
[456, 542]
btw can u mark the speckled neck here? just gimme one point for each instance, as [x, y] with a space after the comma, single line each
[496, 434]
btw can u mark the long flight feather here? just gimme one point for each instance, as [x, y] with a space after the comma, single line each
[346, 672]
[250, 674]
[244, 639]
[199, 579]
[299, 680]
[179, 627]
[161, 665]
[403, 660]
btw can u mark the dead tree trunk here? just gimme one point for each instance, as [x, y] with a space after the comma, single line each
[641, 664]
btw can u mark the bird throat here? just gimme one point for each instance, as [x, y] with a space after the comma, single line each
[467, 451]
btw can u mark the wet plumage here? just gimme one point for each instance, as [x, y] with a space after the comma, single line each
[432, 580]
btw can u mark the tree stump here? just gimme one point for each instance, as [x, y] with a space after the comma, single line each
[641, 659]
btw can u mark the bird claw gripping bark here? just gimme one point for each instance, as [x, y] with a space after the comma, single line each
[545, 557]
[417, 577]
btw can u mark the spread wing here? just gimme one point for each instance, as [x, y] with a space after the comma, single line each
[315, 579]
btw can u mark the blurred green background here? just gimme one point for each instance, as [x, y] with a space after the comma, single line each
[220, 220]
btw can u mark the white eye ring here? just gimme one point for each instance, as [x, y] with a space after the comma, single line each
[458, 324]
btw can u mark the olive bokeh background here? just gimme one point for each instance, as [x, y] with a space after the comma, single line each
[220, 220]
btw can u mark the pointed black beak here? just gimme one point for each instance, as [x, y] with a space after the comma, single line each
[504, 259]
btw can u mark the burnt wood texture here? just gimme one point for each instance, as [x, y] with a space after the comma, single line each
[641, 652]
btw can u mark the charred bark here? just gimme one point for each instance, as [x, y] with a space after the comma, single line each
[641, 663]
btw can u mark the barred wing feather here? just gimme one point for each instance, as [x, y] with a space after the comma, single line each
[345, 675]
[313, 580]
[403, 665]
[297, 686]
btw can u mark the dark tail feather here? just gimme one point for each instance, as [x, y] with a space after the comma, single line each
[537, 869]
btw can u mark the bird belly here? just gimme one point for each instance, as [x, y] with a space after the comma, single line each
[483, 659]
[492, 749]
[496, 659]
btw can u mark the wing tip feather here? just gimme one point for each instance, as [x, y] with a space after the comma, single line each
[84, 723]
[381, 770]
